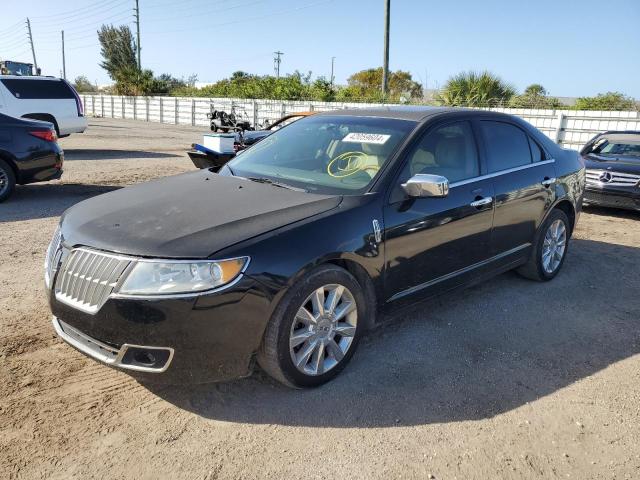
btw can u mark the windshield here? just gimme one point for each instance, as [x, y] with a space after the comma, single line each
[336, 155]
[616, 148]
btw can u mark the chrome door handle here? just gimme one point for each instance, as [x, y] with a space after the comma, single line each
[547, 182]
[482, 201]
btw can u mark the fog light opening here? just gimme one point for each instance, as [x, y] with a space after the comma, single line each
[144, 358]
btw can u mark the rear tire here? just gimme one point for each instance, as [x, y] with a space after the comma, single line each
[305, 345]
[549, 248]
[7, 180]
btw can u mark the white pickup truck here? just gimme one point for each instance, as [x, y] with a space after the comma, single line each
[43, 98]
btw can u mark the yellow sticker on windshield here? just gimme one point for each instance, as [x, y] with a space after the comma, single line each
[347, 164]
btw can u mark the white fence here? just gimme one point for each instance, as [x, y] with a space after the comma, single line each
[569, 128]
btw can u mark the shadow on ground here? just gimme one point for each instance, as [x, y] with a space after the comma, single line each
[74, 154]
[612, 212]
[47, 199]
[468, 355]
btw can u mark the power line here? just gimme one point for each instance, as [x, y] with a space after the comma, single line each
[116, 18]
[244, 19]
[200, 12]
[76, 11]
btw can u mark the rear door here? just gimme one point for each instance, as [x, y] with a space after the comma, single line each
[524, 182]
[436, 242]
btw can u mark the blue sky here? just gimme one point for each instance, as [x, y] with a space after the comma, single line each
[572, 47]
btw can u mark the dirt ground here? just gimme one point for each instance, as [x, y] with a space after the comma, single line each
[509, 379]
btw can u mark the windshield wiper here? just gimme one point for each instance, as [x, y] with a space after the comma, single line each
[276, 184]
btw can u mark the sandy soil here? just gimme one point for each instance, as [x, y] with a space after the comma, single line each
[510, 379]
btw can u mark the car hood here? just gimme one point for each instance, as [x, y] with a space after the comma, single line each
[615, 164]
[191, 215]
[251, 137]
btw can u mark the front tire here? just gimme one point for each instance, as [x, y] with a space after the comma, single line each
[315, 330]
[549, 248]
[7, 180]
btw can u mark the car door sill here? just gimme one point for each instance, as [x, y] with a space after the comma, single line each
[449, 276]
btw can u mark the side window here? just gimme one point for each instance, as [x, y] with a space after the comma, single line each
[507, 146]
[37, 89]
[449, 151]
[536, 152]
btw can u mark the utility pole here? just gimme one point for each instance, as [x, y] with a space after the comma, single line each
[33, 50]
[137, 15]
[276, 62]
[64, 62]
[385, 65]
[333, 59]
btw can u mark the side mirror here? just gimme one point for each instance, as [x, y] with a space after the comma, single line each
[425, 185]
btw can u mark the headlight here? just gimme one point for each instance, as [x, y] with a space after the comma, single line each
[151, 277]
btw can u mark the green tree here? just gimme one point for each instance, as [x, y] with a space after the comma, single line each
[606, 101]
[296, 86]
[118, 49]
[367, 85]
[534, 96]
[82, 84]
[473, 89]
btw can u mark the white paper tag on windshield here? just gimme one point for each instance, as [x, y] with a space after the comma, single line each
[377, 138]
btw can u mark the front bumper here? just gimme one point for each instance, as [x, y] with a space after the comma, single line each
[191, 340]
[625, 198]
[143, 358]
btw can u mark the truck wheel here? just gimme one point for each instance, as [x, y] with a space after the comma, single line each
[315, 330]
[7, 180]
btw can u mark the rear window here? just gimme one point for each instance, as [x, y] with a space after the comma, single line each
[37, 89]
[507, 145]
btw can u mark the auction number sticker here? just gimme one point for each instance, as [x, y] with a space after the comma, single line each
[376, 138]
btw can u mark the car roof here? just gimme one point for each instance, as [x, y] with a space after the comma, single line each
[29, 77]
[417, 113]
[622, 136]
[400, 112]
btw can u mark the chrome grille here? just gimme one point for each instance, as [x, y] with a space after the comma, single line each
[614, 179]
[53, 256]
[87, 278]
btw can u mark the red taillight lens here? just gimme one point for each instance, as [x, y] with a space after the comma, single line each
[48, 135]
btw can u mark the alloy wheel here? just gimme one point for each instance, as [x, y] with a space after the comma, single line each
[4, 181]
[323, 329]
[554, 246]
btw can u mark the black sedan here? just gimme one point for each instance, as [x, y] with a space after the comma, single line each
[29, 153]
[287, 254]
[613, 170]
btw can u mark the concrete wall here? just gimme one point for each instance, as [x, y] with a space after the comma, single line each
[569, 128]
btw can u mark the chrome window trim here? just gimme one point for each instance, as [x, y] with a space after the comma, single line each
[117, 354]
[500, 173]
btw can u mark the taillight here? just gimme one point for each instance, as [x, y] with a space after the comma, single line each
[48, 135]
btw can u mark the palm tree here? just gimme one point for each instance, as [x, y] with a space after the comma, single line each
[473, 89]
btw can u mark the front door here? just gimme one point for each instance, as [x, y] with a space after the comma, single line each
[436, 241]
